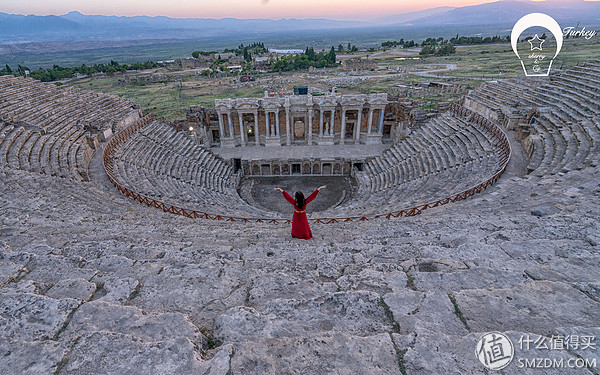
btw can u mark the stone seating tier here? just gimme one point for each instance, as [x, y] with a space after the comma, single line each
[169, 166]
[565, 137]
[46, 125]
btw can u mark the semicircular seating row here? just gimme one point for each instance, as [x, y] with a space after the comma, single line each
[566, 135]
[169, 166]
[41, 125]
[440, 158]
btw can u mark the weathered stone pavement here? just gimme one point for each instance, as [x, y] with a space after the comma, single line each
[93, 282]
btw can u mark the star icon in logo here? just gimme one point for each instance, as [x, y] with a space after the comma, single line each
[536, 42]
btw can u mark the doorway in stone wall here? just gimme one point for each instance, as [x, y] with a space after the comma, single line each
[299, 131]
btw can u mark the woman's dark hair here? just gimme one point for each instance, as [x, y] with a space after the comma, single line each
[299, 199]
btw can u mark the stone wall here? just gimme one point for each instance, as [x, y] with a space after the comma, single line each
[327, 167]
[356, 63]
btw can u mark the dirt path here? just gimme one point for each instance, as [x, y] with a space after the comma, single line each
[429, 73]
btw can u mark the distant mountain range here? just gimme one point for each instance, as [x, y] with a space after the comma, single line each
[405, 18]
[76, 26]
[507, 12]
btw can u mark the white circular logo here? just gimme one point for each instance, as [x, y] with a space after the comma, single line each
[495, 350]
[536, 20]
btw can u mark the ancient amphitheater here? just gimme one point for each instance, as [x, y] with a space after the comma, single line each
[130, 247]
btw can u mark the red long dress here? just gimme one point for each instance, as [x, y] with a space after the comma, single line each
[300, 227]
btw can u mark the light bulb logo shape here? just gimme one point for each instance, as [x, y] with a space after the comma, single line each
[533, 20]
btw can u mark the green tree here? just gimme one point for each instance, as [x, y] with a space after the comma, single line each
[196, 54]
[331, 57]
[310, 53]
[427, 50]
[247, 55]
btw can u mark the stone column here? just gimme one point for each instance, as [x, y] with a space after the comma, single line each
[256, 135]
[288, 140]
[370, 124]
[230, 123]
[380, 124]
[242, 135]
[357, 127]
[272, 132]
[343, 129]
[272, 138]
[221, 127]
[321, 123]
[310, 117]
[332, 121]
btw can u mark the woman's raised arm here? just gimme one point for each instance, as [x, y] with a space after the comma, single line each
[286, 195]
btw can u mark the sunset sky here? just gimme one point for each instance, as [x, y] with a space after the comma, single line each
[334, 9]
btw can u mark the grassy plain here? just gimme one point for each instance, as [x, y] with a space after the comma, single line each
[173, 90]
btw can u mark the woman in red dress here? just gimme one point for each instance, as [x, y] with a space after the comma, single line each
[300, 227]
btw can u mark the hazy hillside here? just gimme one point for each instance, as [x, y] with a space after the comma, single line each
[15, 25]
[77, 26]
[411, 16]
[509, 11]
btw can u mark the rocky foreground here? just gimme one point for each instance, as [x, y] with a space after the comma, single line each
[93, 282]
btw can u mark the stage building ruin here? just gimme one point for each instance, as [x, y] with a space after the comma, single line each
[252, 132]
[299, 119]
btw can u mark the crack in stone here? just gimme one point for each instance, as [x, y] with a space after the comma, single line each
[20, 275]
[389, 314]
[410, 281]
[458, 312]
[65, 359]
[399, 356]
[229, 372]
